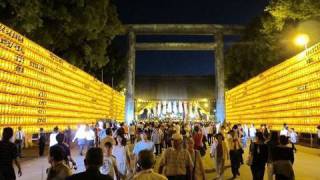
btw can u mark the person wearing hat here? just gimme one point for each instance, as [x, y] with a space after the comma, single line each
[146, 161]
[176, 161]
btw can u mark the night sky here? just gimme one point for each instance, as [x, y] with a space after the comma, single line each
[184, 12]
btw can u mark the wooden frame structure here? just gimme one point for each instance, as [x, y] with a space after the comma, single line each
[218, 31]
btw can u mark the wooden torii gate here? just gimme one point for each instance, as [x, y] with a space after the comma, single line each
[218, 31]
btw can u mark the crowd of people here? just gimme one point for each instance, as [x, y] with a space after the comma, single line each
[178, 147]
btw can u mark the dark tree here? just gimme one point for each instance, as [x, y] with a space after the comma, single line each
[268, 40]
[114, 71]
[79, 31]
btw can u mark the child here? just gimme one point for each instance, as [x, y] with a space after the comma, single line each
[219, 152]
[109, 166]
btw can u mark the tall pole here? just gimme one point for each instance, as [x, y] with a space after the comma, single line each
[102, 75]
[219, 73]
[130, 78]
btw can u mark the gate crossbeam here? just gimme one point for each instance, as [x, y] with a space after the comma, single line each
[174, 46]
[184, 29]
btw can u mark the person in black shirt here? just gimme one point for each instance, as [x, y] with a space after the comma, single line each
[42, 141]
[283, 158]
[259, 153]
[271, 143]
[8, 154]
[93, 161]
[67, 153]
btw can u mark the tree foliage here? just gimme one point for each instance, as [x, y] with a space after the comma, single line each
[288, 12]
[79, 31]
[250, 56]
[114, 71]
[267, 41]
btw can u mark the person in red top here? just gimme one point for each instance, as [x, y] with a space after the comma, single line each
[197, 138]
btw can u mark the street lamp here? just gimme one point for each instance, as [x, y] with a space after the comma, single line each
[302, 40]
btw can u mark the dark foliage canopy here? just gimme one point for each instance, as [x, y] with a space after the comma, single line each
[268, 40]
[79, 31]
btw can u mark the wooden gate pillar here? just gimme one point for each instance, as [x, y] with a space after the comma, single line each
[219, 76]
[130, 78]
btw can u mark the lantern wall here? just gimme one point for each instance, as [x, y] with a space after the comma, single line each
[39, 89]
[286, 93]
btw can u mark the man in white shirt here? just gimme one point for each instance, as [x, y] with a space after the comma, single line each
[90, 137]
[252, 132]
[293, 138]
[81, 138]
[19, 140]
[284, 131]
[52, 140]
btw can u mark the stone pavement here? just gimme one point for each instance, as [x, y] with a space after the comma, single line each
[306, 166]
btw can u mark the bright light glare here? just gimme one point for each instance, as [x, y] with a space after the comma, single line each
[302, 40]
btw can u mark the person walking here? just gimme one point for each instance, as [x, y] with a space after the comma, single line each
[209, 130]
[109, 166]
[252, 132]
[167, 136]
[66, 149]
[145, 162]
[41, 141]
[271, 143]
[8, 155]
[20, 140]
[81, 138]
[219, 152]
[197, 138]
[156, 139]
[93, 161]
[176, 162]
[58, 170]
[234, 151]
[293, 139]
[132, 132]
[107, 138]
[52, 138]
[259, 153]
[143, 144]
[198, 172]
[285, 131]
[90, 137]
[283, 159]
[68, 136]
[121, 153]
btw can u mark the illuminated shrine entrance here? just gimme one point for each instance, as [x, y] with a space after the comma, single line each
[179, 97]
[218, 31]
[173, 109]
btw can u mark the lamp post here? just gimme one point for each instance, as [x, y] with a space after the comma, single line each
[302, 40]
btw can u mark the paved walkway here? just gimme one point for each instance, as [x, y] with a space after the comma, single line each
[306, 166]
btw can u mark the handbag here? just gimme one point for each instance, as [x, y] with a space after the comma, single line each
[241, 151]
[202, 151]
[250, 155]
[249, 160]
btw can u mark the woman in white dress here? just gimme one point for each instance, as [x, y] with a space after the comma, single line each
[120, 151]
